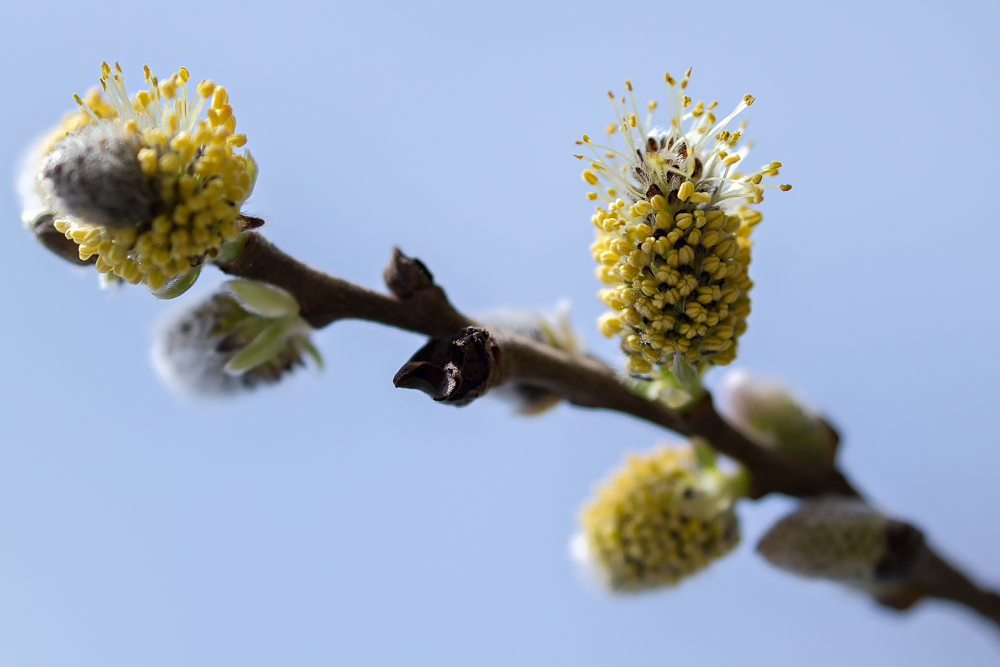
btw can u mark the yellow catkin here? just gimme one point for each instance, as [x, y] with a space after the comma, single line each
[653, 523]
[673, 226]
[194, 170]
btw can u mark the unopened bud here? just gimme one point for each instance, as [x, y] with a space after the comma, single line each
[224, 345]
[774, 415]
[842, 539]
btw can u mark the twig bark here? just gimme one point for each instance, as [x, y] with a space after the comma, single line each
[420, 306]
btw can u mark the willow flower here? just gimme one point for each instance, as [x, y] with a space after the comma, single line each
[673, 230]
[148, 185]
[660, 518]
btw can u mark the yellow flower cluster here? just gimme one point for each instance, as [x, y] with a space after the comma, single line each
[659, 519]
[673, 231]
[197, 181]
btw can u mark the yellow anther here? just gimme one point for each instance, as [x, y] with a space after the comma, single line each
[658, 202]
[206, 88]
[785, 188]
[723, 154]
[701, 197]
[219, 98]
[131, 127]
[628, 84]
[118, 68]
[182, 74]
[631, 119]
[219, 115]
[578, 156]
[612, 192]
[651, 106]
[76, 98]
[685, 191]
[748, 99]
[685, 100]
[168, 88]
[731, 160]
[669, 79]
[589, 176]
[609, 324]
[146, 72]
[586, 139]
[610, 129]
[169, 163]
[237, 140]
[591, 196]
[148, 161]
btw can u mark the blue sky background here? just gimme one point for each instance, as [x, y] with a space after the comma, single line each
[336, 520]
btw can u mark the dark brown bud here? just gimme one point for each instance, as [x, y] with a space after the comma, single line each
[405, 276]
[455, 371]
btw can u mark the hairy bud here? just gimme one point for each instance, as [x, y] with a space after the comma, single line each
[842, 539]
[247, 335]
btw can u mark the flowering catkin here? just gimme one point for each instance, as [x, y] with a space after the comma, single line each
[673, 231]
[659, 518]
[145, 184]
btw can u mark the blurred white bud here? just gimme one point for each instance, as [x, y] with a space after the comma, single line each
[774, 415]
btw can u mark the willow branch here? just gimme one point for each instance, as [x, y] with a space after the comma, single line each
[420, 306]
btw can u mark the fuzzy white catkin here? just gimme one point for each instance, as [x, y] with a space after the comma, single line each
[191, 350]
[836, 538]
[93, 175]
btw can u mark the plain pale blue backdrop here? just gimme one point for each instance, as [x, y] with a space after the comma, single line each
[336, 520]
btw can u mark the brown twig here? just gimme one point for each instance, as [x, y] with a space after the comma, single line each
[420, 306]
